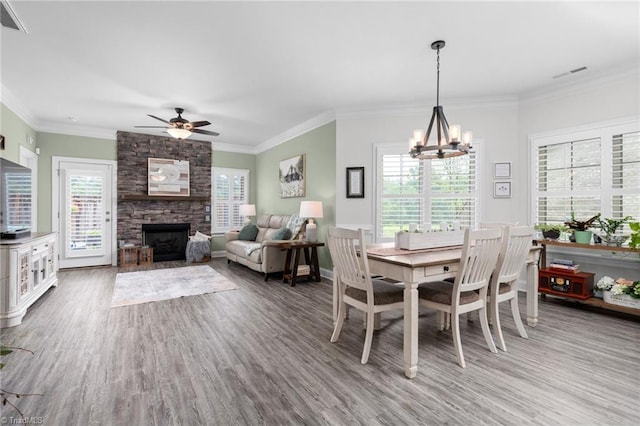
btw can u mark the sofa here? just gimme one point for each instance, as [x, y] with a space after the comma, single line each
[264, 253]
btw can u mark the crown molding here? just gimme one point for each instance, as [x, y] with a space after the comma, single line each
[300, 129]
[227, 147]
[583, 84]
[18, 108]
[75, 130]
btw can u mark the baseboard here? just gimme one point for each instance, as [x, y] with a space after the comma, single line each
[219, 253]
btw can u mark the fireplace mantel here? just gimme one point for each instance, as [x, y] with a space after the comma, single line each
[143, 197]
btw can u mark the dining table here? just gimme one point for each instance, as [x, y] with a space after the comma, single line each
[412, 267]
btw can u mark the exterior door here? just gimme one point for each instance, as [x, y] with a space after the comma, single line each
[85, 216]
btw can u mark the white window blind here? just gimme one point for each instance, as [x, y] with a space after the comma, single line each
[230, 189]
[18, 200]
[425, 192]
[587, 172]
[84, 230]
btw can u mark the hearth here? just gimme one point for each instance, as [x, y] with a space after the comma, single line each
[168, 240]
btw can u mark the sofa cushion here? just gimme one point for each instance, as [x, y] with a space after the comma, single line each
[281, 234]
[248, 233]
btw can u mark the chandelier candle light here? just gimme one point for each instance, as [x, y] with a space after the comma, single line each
[310, 210]
[450, 142]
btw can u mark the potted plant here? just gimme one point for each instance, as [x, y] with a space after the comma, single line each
[551, 231]
[608, 228]
[580, 228]
[621, 292]
[634, 242]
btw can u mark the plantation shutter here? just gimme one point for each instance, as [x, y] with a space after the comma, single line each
[568, 179]
[18, 200]
[625, 175]
[229, 191]
[84, 229]
[424, 192]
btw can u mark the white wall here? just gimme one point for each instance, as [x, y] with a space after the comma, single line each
[494, 124]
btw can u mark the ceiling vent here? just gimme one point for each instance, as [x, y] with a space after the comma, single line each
[570, 72]
[8, 17]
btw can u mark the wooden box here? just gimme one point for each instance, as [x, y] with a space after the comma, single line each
[145, 256]
[128, 257]
[576, 286]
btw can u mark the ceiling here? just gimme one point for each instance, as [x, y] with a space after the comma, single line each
[257, 69]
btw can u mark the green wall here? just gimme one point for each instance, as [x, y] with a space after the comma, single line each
[53, 144]
[16, 133]
[234, 160]
[319, 148]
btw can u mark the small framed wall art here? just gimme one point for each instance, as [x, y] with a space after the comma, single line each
[292, 177]
[502, 170]
[355, 182]
[501, 189]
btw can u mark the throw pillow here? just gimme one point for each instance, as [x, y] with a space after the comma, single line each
[295, 224]
[248, 233]
[282, 234]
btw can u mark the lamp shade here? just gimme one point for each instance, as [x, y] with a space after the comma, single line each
[311, 209]
[179, 133]
[247, 210]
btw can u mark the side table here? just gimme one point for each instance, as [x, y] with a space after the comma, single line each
[310, 251]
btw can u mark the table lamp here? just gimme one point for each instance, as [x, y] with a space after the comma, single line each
[247, 210]
[311, 210]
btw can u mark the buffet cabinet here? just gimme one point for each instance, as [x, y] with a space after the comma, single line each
[29, 269]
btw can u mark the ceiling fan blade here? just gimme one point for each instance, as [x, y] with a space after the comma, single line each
[199, 123]
[158, 118]
[205, 132]
[152, 127]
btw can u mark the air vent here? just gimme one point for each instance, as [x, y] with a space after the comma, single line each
[564, 74]
[9, 19]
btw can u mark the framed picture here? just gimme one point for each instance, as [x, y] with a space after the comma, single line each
[168, 177]
[501, 189]
[1, 142]
[502, 170]
[355, 182]
[292, 177]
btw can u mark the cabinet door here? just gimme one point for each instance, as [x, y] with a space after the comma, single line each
[24, 273]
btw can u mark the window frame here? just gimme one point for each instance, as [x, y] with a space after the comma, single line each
[232, 172]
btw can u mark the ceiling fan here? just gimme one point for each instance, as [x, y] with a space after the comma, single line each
[180, 128]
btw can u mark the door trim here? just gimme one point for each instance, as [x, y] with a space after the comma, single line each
[55, 196]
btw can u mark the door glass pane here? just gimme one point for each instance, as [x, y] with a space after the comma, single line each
[85, 215]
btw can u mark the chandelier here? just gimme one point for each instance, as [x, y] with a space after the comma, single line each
[449, 142]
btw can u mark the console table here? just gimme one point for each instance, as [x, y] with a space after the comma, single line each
[29, 268]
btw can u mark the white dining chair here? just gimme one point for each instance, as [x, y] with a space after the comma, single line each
[356, 288]
[469, 290]
[516, 243]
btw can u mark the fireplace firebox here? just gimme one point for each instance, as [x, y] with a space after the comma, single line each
[168, 240]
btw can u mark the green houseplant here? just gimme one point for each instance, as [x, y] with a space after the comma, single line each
[634, 242]
[608, 228]
[580, 228]
[551, 231]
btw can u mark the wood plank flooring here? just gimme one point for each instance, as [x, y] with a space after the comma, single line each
[261, 355]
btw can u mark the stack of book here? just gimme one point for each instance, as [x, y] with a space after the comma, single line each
[563, 265]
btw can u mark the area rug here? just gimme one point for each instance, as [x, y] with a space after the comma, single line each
[133, 288]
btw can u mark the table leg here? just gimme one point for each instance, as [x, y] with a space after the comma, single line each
[411, 329]
[532, 294]
[314, 262]
[336, 299]
[296, 262]
[287, 266]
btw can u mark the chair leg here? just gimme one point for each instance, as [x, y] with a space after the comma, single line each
[497, 327]
[376, 321]
[440, 320]
[368, 338]
[484, 322]
[457, 344]
[516, 317]
[339, 322]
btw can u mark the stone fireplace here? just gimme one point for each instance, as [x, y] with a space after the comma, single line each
[168, 240]
[137, 209]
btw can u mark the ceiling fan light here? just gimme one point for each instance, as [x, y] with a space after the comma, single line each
[179, 133]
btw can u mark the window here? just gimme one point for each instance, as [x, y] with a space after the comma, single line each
[423, 191]
[230, 189]
[587, 172]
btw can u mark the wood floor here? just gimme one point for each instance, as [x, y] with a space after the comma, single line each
[261, 355]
